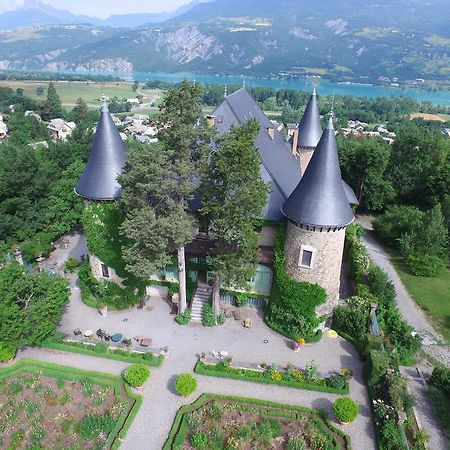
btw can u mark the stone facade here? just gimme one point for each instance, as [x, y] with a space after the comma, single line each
[97, 271]
[326, 259]
[305, 156]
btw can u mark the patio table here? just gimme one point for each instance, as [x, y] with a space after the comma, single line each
[116, 337]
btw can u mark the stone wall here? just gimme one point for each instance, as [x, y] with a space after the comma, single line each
[96, 269]
[305, 157]
[327, 260]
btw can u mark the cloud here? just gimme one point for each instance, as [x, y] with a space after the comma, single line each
[98, 8]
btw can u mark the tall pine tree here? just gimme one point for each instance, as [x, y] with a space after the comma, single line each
[52, 108]
[233, 196]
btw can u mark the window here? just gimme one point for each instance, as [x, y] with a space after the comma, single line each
[105, 271]
[307, 256]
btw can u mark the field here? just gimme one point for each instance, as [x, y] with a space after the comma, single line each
[425, 116]
[58, 407]
[431, 294]
[69, 91]
[216, 422]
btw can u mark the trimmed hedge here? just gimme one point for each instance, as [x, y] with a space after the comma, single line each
[185, 384]
[179, 424]
[255, 376]
[136, 375]
[345, 409]
[148, 359]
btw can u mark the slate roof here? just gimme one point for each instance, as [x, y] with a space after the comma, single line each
[106, 160]
[278, 166]
[309, 128]
[320, 199]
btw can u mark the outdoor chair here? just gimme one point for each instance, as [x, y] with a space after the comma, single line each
[215, 354]
[77, 332]
[248, 323]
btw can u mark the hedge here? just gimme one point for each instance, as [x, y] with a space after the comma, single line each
[180, 418]
[57, 371]
[258, 377]
[79, 347]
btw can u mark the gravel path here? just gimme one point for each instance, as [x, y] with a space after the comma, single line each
[424, 410]
[431, 340]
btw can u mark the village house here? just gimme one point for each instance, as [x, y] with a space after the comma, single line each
[33, 114]
[60, 130]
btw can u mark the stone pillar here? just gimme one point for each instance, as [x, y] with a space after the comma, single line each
[325, 249]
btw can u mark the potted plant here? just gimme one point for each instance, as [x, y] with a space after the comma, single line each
[345, 409]
[185, 384]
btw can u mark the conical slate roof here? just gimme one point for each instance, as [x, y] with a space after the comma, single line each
[106, 160]
[319, 199]
[309, 129]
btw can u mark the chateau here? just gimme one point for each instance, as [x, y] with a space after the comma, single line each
[306, 189]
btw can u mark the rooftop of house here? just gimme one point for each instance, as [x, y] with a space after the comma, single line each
[320, 200]
[309, 128]
[106, 160]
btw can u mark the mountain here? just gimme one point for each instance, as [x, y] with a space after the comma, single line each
[36, 13]
[337, 39]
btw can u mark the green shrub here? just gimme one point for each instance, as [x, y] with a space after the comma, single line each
[397, 221]
[185, 318]
[208, 319]
[7, 352]
[268, 429]
[425, 265]
[71, 265]
[345, 409]
[185, 384]
[94, 424]
[352, 321]
[440, 378]
[40, 244]
[296, 443]
[391, 436]
[199, 440]
[336, 382]
[17, 436]
[136, 375]
[378, 364]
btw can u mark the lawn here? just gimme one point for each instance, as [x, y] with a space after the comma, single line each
[49, 406]
[431, 294]
[69, 91]
[216, 422]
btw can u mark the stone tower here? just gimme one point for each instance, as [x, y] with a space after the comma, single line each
[98, 182]
[318, 212]
[309, 132]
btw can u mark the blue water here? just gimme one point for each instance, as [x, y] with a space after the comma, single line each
[323, 87]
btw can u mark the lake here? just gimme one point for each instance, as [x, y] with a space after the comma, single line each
[323, 87]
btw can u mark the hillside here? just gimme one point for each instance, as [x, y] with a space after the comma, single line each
[407, 39]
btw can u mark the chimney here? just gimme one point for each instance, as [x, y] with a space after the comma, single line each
[211, 120]
[271, 132]
[295, 141]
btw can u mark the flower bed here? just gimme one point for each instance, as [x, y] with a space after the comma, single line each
[290, 377]
[52, 406]
[217, 421]
[101, 350]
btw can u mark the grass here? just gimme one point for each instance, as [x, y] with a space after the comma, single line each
[431, 294]
[70, 91]
[440, 405]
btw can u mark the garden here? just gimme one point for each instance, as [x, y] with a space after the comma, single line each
[50, 406]
[290, 376]
[216, 422]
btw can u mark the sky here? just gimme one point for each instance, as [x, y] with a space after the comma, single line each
[97, 8]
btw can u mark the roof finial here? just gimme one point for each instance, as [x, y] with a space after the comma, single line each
[243, 83]
[225, 92]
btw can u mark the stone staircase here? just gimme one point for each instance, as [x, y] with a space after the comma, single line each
[201, 298]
